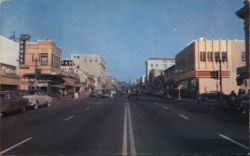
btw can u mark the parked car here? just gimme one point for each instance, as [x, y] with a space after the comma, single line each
[37, 98]
[11, 101]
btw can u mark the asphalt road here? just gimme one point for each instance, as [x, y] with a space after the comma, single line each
[118, 126]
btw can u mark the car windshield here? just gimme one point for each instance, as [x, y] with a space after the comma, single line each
[124, 77]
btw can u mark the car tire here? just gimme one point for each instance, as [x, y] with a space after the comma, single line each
[35, 106]
[23, 109]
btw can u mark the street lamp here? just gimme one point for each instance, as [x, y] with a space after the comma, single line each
[37, 72]
[179, 86]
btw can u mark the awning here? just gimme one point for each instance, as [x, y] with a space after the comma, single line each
[58, 86]
[9, 81]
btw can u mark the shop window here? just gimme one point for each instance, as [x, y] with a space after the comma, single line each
[224, 56]
[203, 56]
[217, 56]
[210, 56]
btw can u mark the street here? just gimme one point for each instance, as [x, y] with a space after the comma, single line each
[119, 126]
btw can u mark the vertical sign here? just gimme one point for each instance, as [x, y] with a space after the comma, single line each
[22, 51]
[23, 39]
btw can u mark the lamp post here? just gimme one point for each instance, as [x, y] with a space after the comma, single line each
[35, 59]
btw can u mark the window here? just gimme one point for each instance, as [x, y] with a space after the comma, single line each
[217, 56]
[245, 83]
[78, 57]
[210, 56]
[243, 56]
[203, 56]
[224, 56]
[152, 65]
[44, 59]
[52, 60]
[90, 60]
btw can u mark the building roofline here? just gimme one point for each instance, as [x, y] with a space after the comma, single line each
[159, 58]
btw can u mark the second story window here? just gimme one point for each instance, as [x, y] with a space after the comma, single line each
[44, 59]
[217, 55]
[203, 56]
[243, 56]
[210, 56]
[224, 56]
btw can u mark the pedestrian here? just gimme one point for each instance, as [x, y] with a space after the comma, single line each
[233, 95]
[198, 96]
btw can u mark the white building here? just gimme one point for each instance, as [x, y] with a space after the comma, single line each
[9, 51]
[159, 64]
[92, 64]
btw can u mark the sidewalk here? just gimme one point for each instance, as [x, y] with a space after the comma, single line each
[210, 102]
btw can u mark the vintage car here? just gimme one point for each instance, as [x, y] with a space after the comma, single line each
[37, 98]
[11, 101]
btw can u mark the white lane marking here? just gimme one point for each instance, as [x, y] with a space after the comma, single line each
[164, 107]
[233, 141]
[16, 145]
[131, 135]
[124, 138]
[88, 108]
[183, 116]
[68, 118]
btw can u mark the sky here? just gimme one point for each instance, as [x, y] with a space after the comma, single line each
[124, 33]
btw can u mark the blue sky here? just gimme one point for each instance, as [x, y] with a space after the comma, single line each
[123, 32]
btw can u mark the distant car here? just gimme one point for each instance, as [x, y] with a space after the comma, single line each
[93, 94]
[37, 98]
[167, 96]
[11, 101]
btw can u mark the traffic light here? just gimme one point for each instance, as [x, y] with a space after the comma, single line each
[214, 74]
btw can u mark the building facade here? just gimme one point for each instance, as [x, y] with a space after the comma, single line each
[169, 81]
[158, 64]
[195, 63]
[91, 64]
[8, 64]
[42, 67]
[244, 71]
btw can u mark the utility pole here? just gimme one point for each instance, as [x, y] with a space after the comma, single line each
[220, 72]
[220, 59]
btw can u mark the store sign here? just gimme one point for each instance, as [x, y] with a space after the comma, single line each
[8, 69]
[23, 39]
